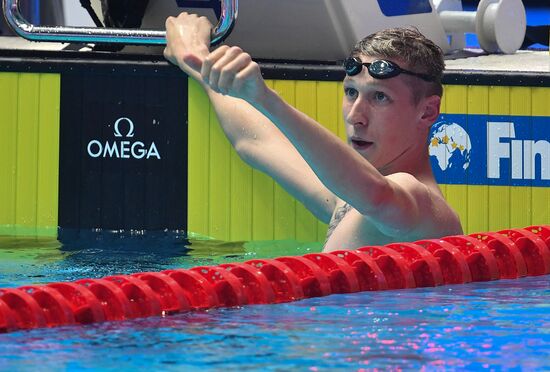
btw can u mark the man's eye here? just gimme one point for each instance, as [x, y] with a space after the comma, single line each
[381, 97]
[350, 92]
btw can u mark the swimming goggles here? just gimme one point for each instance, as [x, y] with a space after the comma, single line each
[379, 69]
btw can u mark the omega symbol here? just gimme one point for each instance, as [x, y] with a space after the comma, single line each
[130, 133]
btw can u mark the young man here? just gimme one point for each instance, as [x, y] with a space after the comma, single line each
[376, 189]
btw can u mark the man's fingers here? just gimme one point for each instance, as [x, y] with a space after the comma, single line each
[250, 70]
[230, 70]
[210, 60]
[222, 59]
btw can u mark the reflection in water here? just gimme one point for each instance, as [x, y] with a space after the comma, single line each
[77, 254]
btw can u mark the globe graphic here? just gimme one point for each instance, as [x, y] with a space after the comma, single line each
[450, 147]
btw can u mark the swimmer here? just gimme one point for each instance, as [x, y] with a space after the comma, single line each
[375, 189]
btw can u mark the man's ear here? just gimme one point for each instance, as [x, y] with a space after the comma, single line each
[430, 110]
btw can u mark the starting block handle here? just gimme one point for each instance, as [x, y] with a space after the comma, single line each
[64, 34]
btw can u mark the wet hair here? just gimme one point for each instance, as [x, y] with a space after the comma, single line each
[407, 45]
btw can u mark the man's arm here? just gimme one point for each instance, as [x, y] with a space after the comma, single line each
[257, 141]
[391, 205]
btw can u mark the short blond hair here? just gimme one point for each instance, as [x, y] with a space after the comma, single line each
[407, 44]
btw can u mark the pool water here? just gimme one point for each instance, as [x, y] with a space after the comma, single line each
[496, 325]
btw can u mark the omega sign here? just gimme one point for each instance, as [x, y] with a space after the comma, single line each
[120, 148]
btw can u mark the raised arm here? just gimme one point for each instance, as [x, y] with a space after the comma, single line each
[257, 141]
[268, 125]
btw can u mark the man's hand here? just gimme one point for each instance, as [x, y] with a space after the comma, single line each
[187, 42]
[226, 70]
[230, 71]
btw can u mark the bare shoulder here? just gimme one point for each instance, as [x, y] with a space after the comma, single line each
[436, 217]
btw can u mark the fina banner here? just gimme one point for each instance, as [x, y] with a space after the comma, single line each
[491, 150]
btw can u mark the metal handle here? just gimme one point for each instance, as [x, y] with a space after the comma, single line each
[23, 28]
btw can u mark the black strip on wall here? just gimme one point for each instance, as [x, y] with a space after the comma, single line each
[86, 62]
[131, 175]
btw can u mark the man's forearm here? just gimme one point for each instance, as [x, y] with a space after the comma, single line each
[340, 168]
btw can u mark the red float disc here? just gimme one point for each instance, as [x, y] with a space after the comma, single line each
[113, 301]
[533, 248]
[28, 313]
[143, 301]
[341, 275]
[284, 281]
[510, 261]
[8, 321]
[56, 309]
[542, 231]
[369, 275]
[171, 296]
[481, 261]
[424, 266]
[84, 304]
[199, 292]
[254, 283]
[314, 281]
[452, 261]
[393, 265]
[227, 286]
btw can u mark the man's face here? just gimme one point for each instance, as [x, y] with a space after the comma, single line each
[381, 118]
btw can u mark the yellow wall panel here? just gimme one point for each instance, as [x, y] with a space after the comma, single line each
[29, 149]
[8, 148]
[199, 159]
[27, 154]
[284, 204]
[478, 196]
[520, 206]
[220, 185]
[241, 199]
[499, 197]
[306, 101]
[48, 154]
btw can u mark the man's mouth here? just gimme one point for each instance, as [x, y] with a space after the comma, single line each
[360, 144]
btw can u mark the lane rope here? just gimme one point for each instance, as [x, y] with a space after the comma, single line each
[507, 254]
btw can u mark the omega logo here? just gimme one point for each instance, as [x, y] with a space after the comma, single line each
[123, 149]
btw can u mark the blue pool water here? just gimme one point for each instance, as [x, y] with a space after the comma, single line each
[493, 325]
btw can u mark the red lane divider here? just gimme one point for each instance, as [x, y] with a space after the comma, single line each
[256, 286]
[55, 308]
[484, 256]
[171, 296]
[452, 261]
[341, 274]
[510, 262]
[421, 262]
[84, 304]
[113, 301]
[314, 281]
[481, 261]
[534, 250]
[28, 313]
[393, 265]
[199, 292]
[8, 321]
[227, 286]
[284, 281]
[370, 277]
[143, 301]
[542, 231]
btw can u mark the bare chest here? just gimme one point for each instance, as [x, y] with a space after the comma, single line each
[349, 229]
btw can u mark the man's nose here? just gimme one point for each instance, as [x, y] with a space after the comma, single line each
[357, 115]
